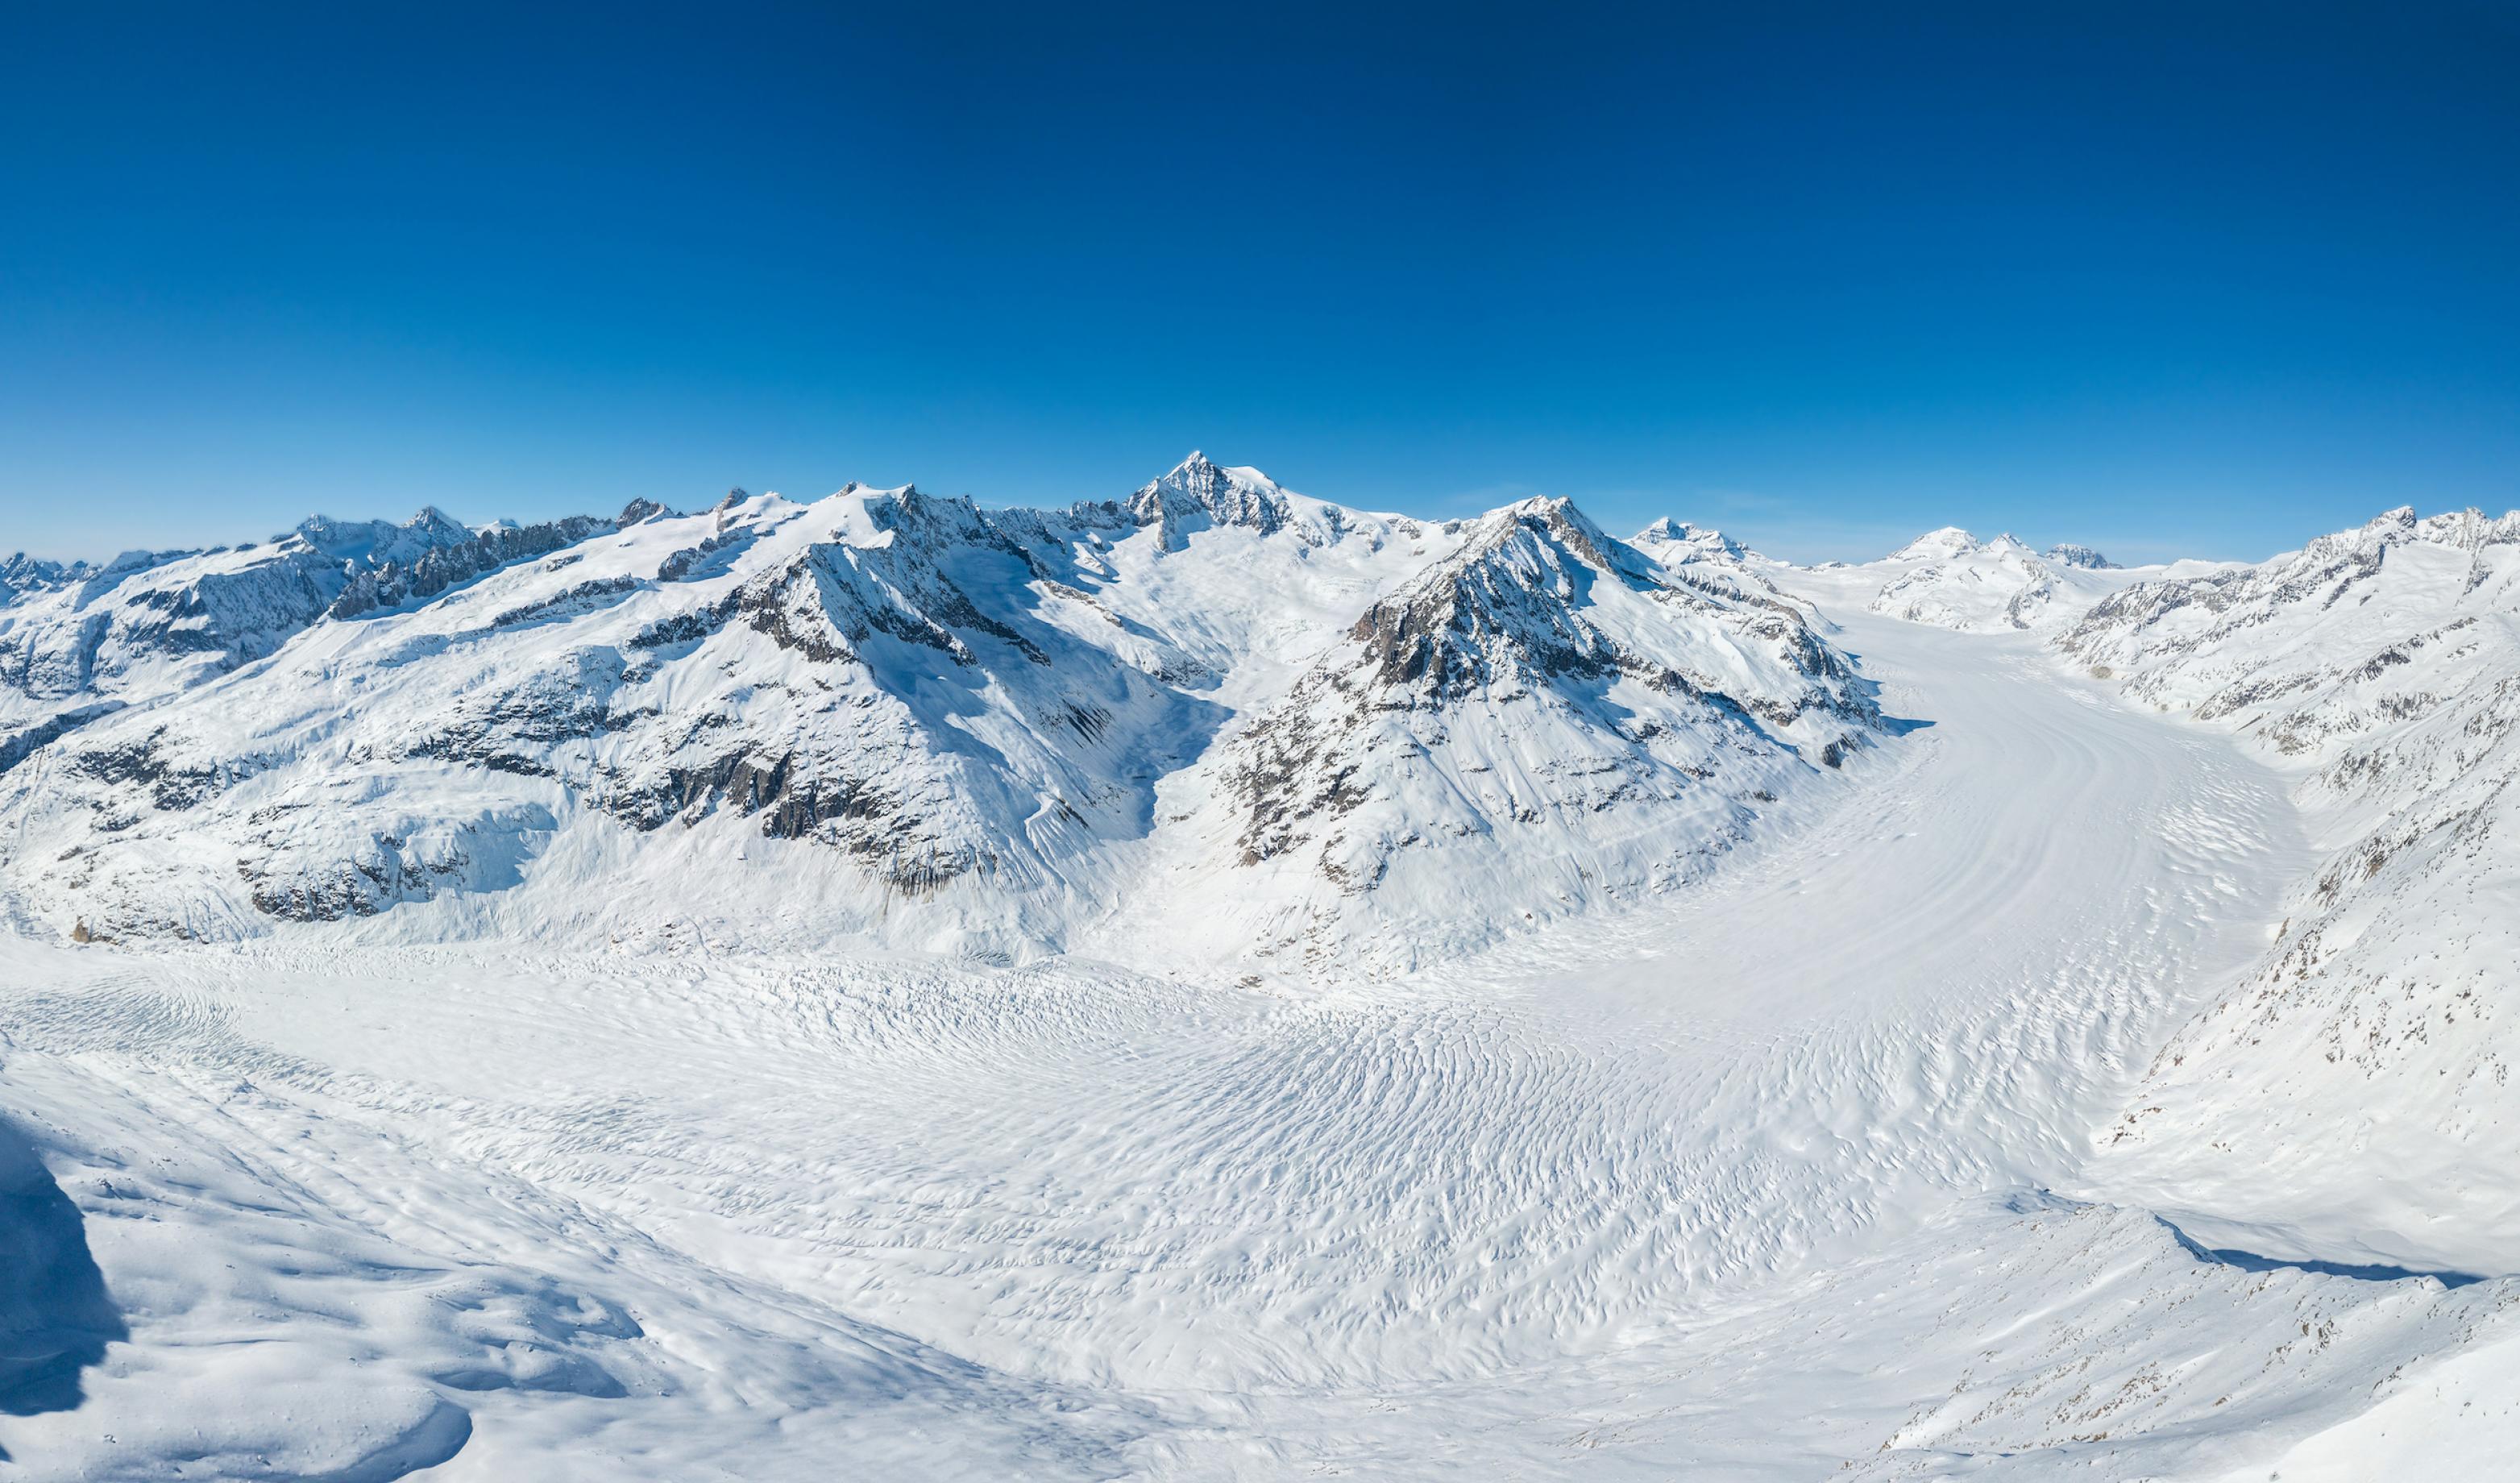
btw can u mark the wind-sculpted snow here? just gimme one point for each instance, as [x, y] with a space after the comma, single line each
[2350, 1099]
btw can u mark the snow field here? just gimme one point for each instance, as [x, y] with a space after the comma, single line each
[1745, 1182]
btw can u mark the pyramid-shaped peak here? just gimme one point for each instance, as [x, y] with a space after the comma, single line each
[1197, 490]
[1557, 516]
[1198, 471]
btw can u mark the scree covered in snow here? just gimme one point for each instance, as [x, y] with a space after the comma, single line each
[1212, 983]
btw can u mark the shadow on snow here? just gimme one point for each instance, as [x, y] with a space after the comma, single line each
[55, 1316]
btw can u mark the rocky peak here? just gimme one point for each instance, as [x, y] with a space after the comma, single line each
[21, 572]
[1508, 595]
[375, 542]
[1198, 492]
[2081, 558]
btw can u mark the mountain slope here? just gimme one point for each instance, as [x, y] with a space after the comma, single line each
[2349, 1101]
[1541, 721]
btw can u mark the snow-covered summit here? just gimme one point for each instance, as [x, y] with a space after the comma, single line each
[382, 541]
[1544, 716]
[1198, 490]
[1936, 545]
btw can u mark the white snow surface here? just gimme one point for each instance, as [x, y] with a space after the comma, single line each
[1950, 578]
[1467, 998]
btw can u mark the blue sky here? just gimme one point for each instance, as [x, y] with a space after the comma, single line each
[2165, 279]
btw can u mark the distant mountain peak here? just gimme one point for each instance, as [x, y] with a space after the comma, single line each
[2081, 558]
[1668, 535]
[1197, 490]
[1937, 544]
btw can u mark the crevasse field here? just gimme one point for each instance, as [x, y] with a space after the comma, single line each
[2094, 1072]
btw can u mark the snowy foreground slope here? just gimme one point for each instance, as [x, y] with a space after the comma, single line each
[1937, 1045]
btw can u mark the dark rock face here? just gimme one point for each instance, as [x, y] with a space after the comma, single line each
[711, 553]
[798, 800]
[792, 804]
[170, 785]
[397, 582]
[353, 890]
[17, 748]
[582, 598]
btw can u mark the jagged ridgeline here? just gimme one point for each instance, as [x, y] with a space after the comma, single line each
[1215, 712]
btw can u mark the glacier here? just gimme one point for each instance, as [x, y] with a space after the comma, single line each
[1213, 984]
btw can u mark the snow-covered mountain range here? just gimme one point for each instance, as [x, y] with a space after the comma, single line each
[991, 731]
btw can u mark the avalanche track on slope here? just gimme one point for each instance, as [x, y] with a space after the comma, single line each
[1746, 1184]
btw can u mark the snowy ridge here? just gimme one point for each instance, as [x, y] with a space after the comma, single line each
[2380, 668]
[77, 639]
[2081, 558]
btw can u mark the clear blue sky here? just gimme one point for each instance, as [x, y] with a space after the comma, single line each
[2165, 279]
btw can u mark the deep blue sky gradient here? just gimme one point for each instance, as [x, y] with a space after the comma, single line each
[2177, 279]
